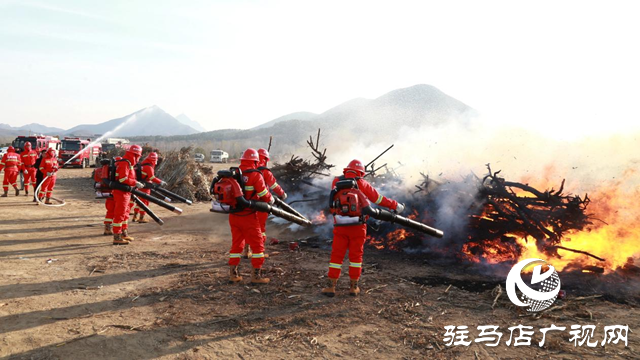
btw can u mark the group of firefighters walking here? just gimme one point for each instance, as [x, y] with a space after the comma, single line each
[248, 226]
[35, 168]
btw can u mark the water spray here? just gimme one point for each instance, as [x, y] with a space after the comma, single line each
[108, 133]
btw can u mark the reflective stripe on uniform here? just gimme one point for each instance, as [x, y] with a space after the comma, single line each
[335, 266]
[264, 234]
[260, 255]
[380, 198]
[151, 178]
[263, 193]
[108, 220]
[123, 179]
[144, 173]
[248, 188]
[275, 185]
[233, 255]
[117, 224]
[356, 265]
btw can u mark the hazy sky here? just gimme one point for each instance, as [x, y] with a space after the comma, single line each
[569, 66]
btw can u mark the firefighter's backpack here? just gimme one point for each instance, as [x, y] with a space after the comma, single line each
[346, 199]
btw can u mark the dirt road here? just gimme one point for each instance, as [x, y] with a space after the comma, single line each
[67, 293]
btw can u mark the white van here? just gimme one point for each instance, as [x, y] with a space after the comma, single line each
[219, 156]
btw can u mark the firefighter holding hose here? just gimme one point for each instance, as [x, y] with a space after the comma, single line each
[146, 173]
[48, 168]
[350, 195]
[11, 164]
[126, 175]
[29, 170]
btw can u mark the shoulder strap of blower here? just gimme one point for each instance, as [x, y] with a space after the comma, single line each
[342, 177]
[138, 168]
[112, 168]
[248, 194]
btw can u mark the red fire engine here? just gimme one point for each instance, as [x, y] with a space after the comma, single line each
[82, 151]
[38, 143]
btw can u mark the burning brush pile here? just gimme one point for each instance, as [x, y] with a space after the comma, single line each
[184, 176]
[492, 220]
[488, 220]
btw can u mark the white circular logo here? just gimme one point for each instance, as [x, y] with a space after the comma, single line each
[544, 287]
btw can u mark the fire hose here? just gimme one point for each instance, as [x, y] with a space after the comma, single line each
[117, 186]
[288, 208]
[37, 193]
[385, 215]
[167, 193]
[258, 206]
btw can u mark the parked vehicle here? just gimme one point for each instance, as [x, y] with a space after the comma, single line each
[83, 153]
[219, 156]
[199, 158]
[38, 143]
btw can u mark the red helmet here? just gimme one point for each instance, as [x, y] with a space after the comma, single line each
[153, 157]
[117, 158]
[264, 154]
[250, 155]
[27, 146]
[355, 165]
[11, 149]
[51, 152]
[136, 150]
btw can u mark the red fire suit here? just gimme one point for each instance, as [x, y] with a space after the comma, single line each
[11, 164]
[109, 204]
[352, 237]
[28, 168]
[148, 175]
[48, 168]
[125, 174]
[245, 225]
[272, 184]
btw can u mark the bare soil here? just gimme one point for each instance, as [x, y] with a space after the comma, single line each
[166, 295]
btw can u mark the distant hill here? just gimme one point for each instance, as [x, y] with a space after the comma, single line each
[187, 121]
[363, 120]
[413, 107]
[148, 121]
[301, 115]
[33, 128]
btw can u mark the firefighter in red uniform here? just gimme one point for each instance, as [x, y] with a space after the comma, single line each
[349, 233]
[101, 176]
[48, 168]
[147, 170]
[29, 158]
[272, 185]
[245, 226]
[125, 174]
[11, 164]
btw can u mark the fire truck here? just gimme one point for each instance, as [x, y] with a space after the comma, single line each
[38, 143]
[114, 143]
[82, 151]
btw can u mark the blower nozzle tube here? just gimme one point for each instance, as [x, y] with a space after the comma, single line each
[288, 208]
[117, 186]
[166, 192]
[146, 209]
[386, 215]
